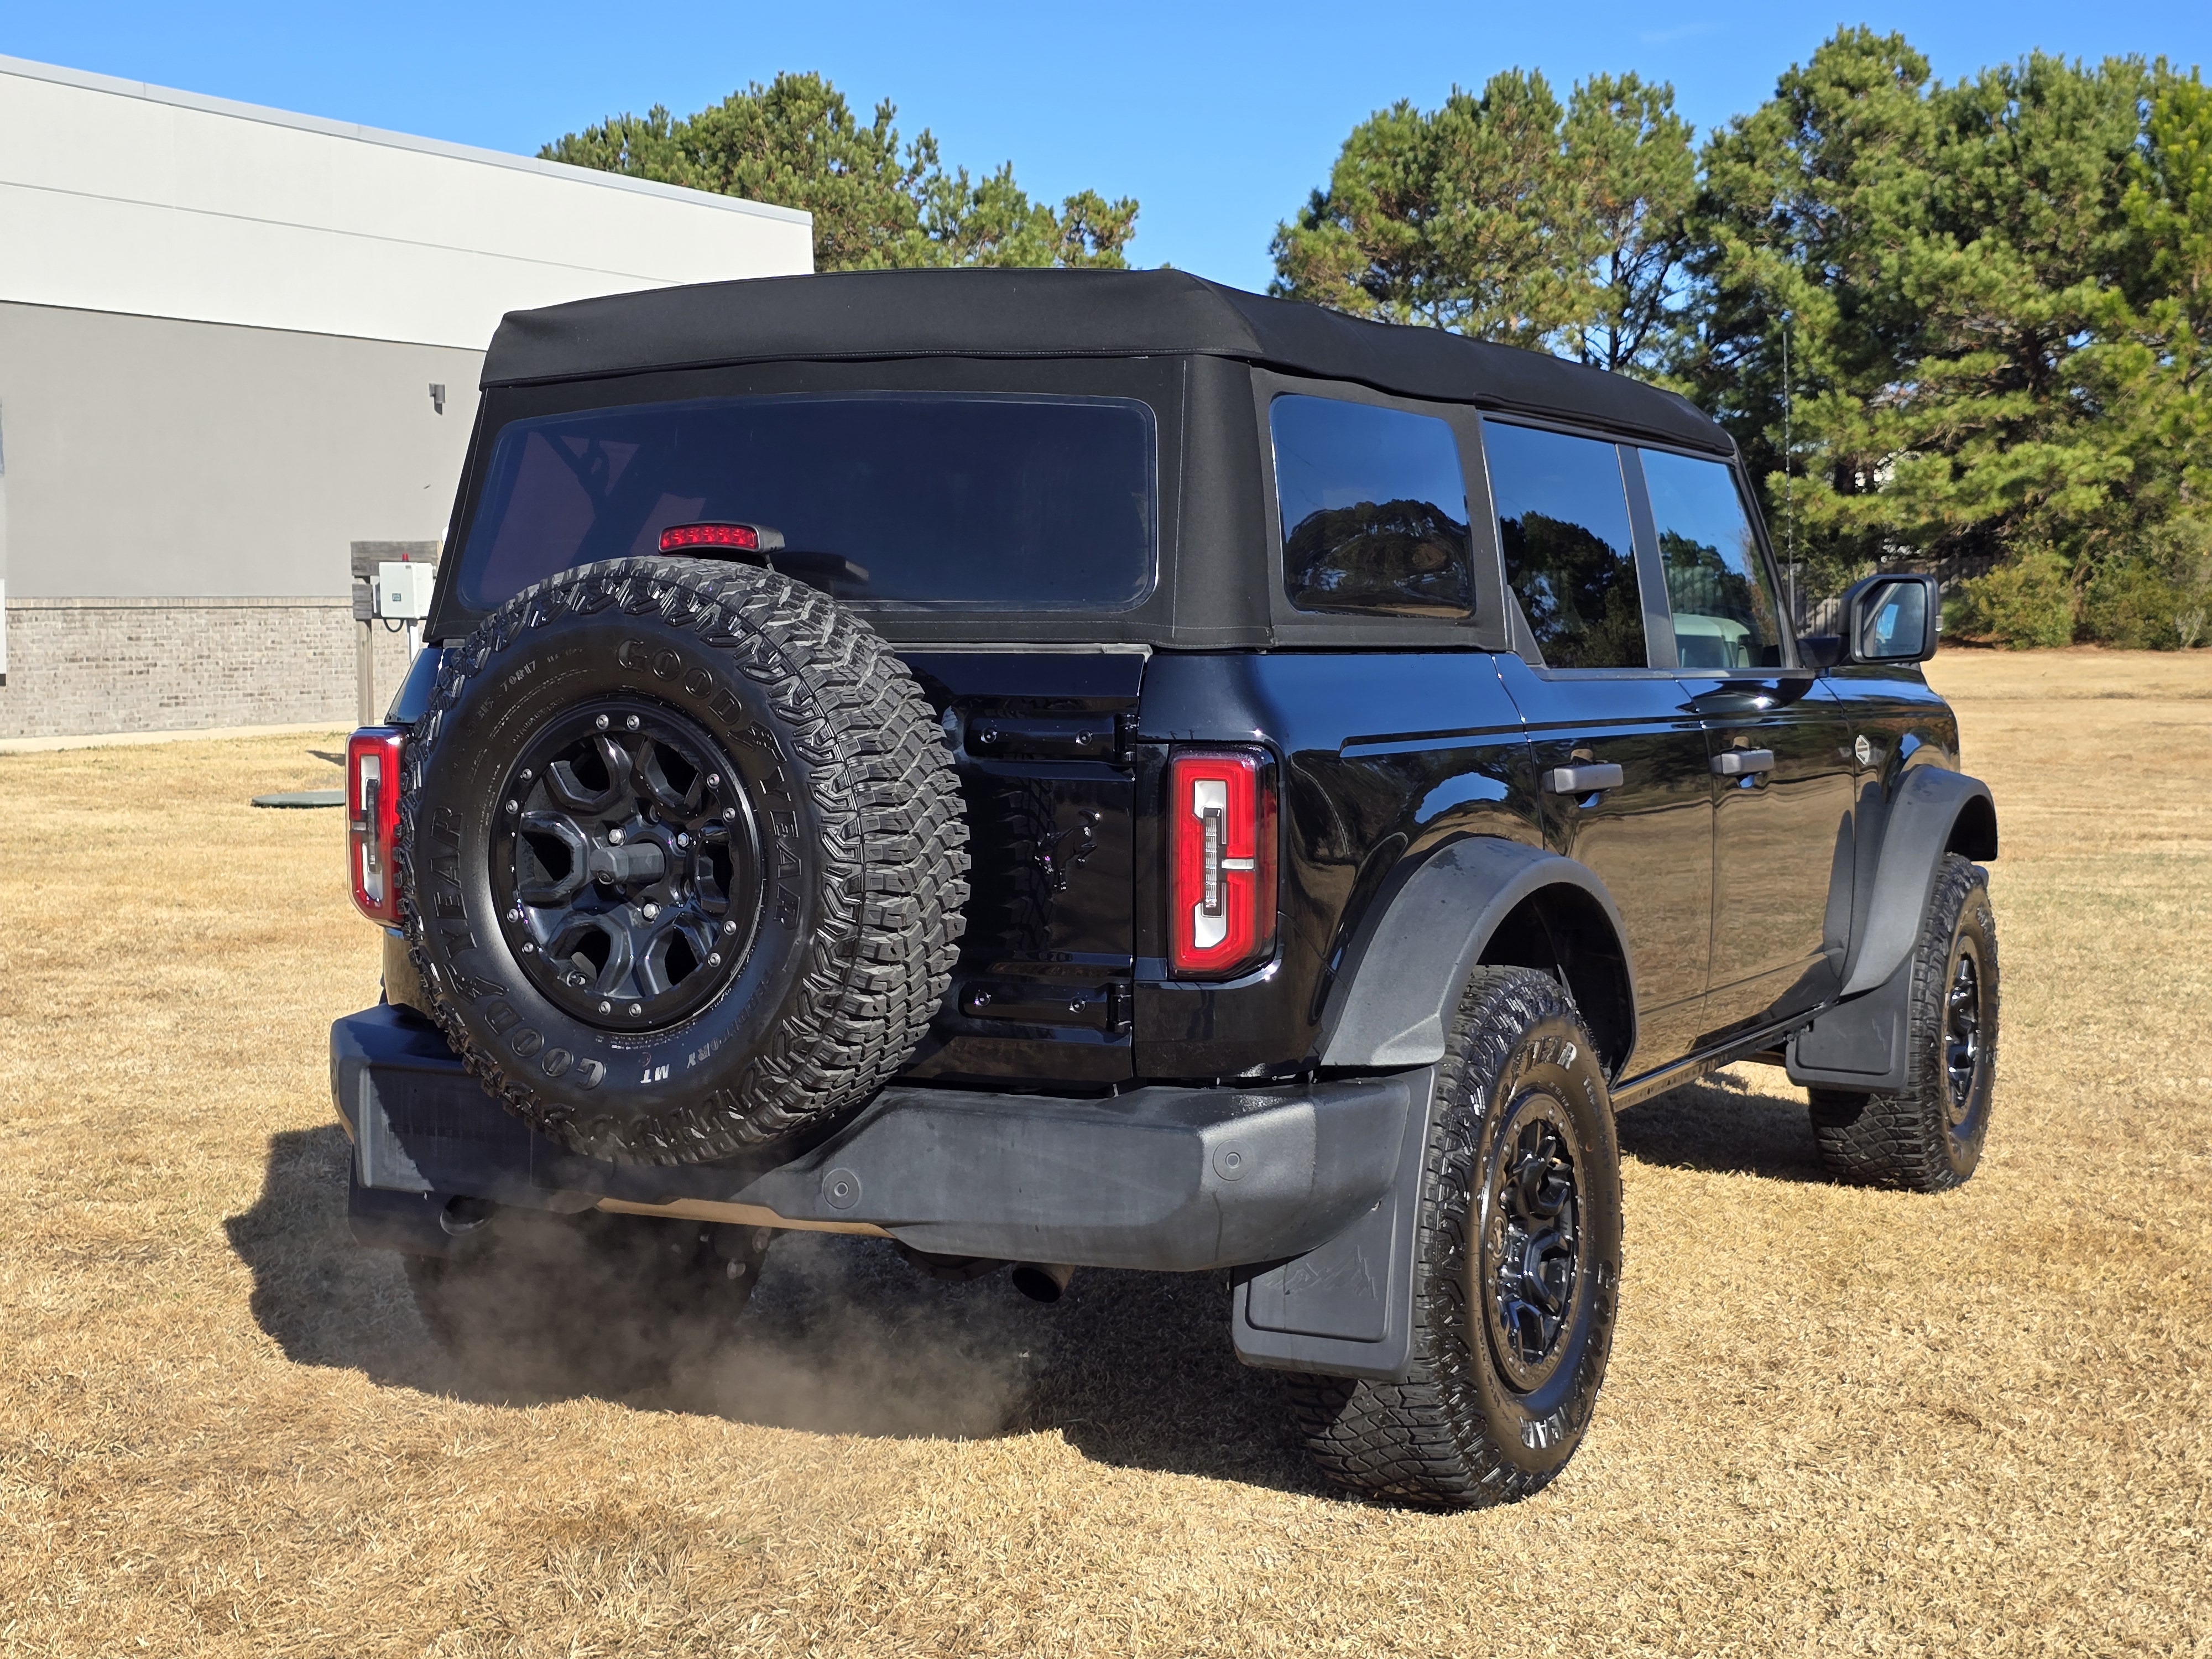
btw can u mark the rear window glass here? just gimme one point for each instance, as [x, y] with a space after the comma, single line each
[979, 502]
[1374, 509]
[1570, 558]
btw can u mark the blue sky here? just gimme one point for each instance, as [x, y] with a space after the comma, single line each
[1219, 118]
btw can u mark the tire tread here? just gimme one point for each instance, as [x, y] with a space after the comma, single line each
[889, 900]
[1899, 1139]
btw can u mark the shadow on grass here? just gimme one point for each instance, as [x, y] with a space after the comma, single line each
[1748, 1123]
[842, 1336]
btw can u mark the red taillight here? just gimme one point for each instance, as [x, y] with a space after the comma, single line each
[373, 820]
[745, 538]
[1221, 861]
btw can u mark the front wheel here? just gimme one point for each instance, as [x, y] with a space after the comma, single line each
[1516, 1271]
[1928, 1138]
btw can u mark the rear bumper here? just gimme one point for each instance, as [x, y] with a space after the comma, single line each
[1163, 1179]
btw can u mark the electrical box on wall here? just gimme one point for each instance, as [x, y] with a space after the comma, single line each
[402, 592]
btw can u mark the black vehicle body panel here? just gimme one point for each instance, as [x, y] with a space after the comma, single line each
[1074, 1099]
[1170, 1180]
[1384, 757]
[1043, 744]
[1648, 839]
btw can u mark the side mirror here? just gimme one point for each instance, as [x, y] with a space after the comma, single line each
[1892, 619]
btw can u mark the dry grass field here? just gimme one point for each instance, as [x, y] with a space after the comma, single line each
[1836, 1419]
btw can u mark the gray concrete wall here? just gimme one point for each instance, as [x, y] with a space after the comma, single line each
[149, 456]
[180, 502]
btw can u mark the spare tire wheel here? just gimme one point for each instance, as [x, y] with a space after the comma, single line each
[683, 858]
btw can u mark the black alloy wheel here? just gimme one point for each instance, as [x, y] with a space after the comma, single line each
[1962, 1035]
[630, 878]
[1517, 1267]
[1534, 1253]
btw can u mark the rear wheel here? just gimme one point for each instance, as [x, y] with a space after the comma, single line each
[1516, 1270]
[533, 1300]
[1928, 1138]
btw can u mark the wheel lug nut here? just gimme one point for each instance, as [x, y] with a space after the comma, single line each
[683, 840]
[650, 911]
[601, 723]
[615, 835]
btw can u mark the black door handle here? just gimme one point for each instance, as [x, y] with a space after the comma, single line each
[1742, 762]
[1584, 779]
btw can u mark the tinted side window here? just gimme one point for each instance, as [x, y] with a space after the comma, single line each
[1569, 557]
[1725, 616]
[1374, 509]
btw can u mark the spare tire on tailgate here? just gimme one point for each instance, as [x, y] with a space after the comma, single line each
[683, 858]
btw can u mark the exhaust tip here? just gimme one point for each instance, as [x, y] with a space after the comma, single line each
[1042, 1281]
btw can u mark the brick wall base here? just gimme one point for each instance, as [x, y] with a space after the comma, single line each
[78, 666]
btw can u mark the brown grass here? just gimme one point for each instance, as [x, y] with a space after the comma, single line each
[1835, 1418]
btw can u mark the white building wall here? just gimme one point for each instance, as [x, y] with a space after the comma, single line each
[123, 198]
[147, 456]
[219, 327]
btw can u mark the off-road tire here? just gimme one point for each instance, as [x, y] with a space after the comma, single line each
[1458, 1432]
[859, 850]
[1927, 1138]
[551, 1303]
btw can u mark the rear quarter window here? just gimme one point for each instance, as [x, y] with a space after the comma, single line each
[1374, 509]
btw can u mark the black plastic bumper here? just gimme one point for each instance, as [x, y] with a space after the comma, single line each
[1170, 1180]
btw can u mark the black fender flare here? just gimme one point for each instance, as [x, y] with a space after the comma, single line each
[1411, 954]
[1859, 1043]
[1916, 831]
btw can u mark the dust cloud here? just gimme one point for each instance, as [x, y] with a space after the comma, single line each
[840, 1335]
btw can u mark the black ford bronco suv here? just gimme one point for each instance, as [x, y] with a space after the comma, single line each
[1097, 768]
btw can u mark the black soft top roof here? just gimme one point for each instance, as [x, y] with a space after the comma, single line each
[1060, 313]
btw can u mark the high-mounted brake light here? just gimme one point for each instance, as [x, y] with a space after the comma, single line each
[373, 820]
[1221, 861]
[730, 537]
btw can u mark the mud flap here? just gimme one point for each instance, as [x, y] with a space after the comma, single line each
[1860, 1044]
[1345, 1308]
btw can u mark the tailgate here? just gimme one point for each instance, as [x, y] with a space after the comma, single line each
[1042, 740]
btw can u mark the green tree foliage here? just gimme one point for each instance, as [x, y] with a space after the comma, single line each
[1508, 216]
[1628, 159]
[2169, 207]
[1991, 360]
[1994, 299]
[877, 201]
[1453, 218]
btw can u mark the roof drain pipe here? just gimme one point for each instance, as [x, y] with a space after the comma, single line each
[1042, 1281]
